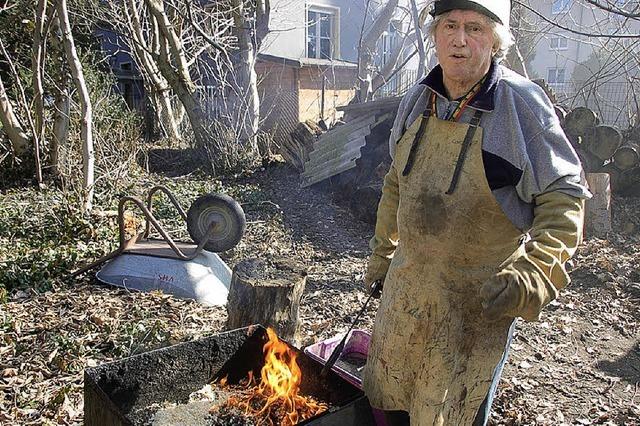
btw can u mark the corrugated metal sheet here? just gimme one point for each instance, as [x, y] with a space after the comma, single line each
[337, 150]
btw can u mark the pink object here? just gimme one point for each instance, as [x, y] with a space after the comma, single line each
[351, 361]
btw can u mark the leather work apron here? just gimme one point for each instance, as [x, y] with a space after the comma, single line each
[432, 354]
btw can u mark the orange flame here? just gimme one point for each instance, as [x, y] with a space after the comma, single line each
[281, 377]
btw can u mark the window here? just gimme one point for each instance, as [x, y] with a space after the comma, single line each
[558, 43]
[320, 34]
[556, 76]
[559, 6]
[125, 66]
[389, 41]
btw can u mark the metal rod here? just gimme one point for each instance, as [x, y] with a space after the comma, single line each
[375, 287]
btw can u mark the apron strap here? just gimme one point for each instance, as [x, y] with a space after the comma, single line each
[473, 125]
[426, 114]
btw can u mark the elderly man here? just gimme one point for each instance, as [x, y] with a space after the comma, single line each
[480, 210]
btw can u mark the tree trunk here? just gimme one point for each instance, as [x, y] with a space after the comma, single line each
[248, 106]
[516, 61]
[12, 127]
[627, 156]
[247, 102]
[391, 67]
[62, 104]
[37, 69]
[422, 53]
[367, 48]
[187, 96]
[267, 293]
[173, 66]
[86, 132]
[579, 121]
[603, 141]
[60, 127]
[160, 91]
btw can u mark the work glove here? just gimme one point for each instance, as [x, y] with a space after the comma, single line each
[376, 272]
[385, 240]
[530, 282]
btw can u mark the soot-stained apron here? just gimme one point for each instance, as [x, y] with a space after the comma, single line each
[432, 354]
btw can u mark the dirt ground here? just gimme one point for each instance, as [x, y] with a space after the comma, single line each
[579, 365]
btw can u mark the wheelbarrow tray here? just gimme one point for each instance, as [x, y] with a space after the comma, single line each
[205, 278]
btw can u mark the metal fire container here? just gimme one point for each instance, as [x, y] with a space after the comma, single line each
[127, 392]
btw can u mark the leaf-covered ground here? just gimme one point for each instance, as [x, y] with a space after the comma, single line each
[579, 365]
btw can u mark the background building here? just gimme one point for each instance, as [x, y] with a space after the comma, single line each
[588, 55]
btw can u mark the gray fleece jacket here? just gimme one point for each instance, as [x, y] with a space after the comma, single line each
[524, 149]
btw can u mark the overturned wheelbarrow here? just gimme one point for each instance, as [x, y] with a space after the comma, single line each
[188, 270]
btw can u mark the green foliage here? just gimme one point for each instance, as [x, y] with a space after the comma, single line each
[42, 236]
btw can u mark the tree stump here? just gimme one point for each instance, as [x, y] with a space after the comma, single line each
[603, 141]
[579, 121]
[267, 293]
[627, 156]
[597, 220]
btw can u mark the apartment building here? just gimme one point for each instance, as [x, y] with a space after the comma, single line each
[587, 54]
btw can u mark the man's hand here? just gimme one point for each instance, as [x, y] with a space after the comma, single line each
[376, 271]
[376, 289]
[500, 295]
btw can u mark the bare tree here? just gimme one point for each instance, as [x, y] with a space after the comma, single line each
[368, 46]
[411, 42]
[157, 85]
[251, 25]
[62, 102]
[419, 36]
[19, 140]
[611, 31]
[37, 69]
[11, 117]
[88, 156]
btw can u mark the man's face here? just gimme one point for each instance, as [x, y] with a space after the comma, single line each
[464, 46]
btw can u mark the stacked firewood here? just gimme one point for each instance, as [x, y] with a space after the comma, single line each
[605, 149]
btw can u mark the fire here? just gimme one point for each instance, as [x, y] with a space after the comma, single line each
[275, 400]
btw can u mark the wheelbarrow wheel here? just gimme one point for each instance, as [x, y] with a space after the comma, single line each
[225, 212]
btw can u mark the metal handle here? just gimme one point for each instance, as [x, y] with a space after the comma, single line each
[376, 287]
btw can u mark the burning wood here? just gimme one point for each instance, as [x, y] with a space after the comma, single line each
[275, 399]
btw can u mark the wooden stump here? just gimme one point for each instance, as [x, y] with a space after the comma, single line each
[597, 220]
[603, 141]
[627, 156]
[579, 121]
[267, 293]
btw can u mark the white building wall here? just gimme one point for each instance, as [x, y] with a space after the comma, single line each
[288, 19]
[560, 49]
[288, 33]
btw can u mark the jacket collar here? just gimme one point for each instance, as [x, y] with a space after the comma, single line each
[483, 100]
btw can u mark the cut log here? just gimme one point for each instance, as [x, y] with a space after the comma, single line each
[576, 141]
[267, 293]
[579, 121]
[627, 156]
[590, 163]
[614, 175]
[603, 141]
[629, 182]
[597, 219]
